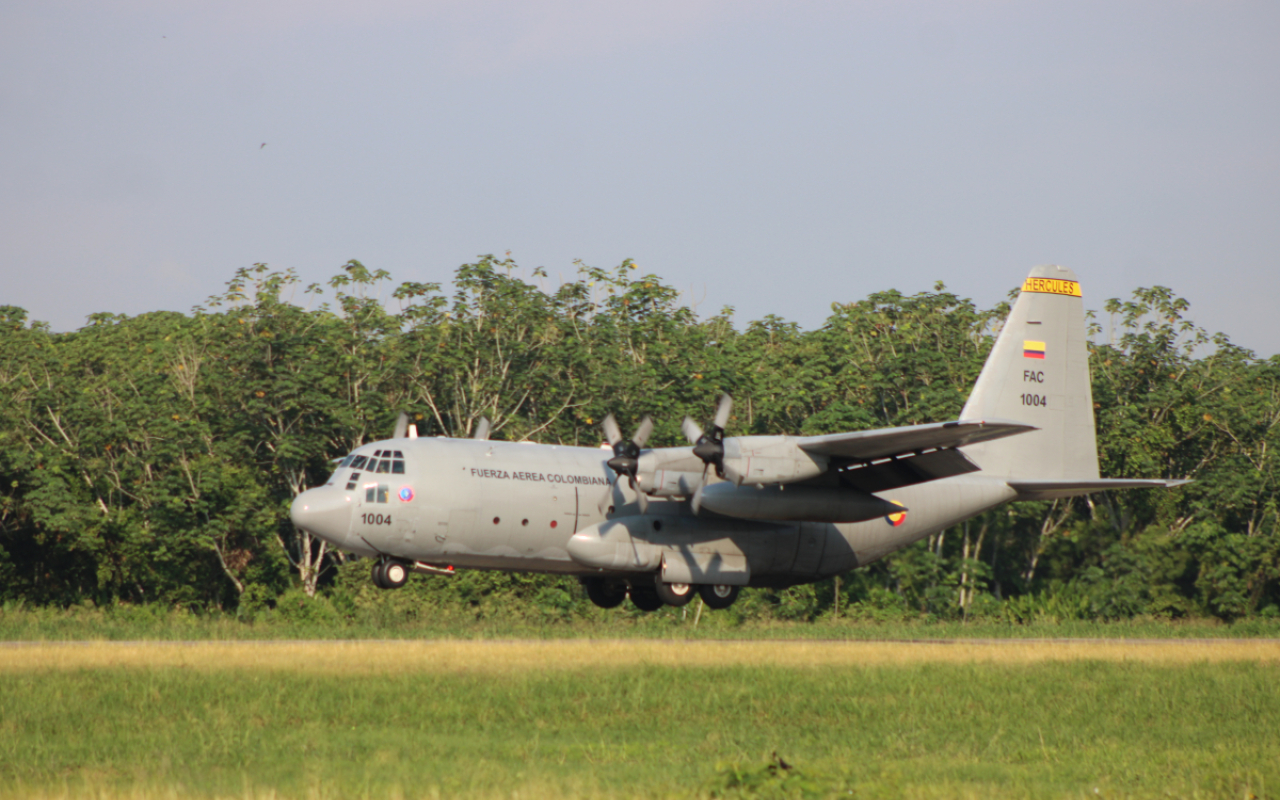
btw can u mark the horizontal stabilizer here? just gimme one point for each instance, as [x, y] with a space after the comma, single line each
[1052, 490]
[887, 442]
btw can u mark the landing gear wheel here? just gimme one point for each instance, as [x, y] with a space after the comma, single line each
[395, 574]
[645, 597]
[718, 596]
[605, 593]
[390, 574]
[673, 594]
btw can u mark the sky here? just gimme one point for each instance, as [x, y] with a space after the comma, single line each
[773, 157]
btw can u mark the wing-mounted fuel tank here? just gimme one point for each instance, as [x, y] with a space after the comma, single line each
[689, 549]
[807, 503]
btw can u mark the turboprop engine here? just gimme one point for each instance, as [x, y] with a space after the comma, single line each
[764, 460]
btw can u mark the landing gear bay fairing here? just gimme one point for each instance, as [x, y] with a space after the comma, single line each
[663, 525]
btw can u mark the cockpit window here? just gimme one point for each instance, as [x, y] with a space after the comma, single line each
[359, 462]
[345, 462]
[397, 467]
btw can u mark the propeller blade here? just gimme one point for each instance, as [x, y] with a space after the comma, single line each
[605, 498]
[482, 429]
[642, 433]
[611, 433]
[691, 430]
[696, 500]
[723, 410]
[402, 426]
[641, 498]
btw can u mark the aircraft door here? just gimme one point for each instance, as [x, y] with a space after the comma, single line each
[569, 509]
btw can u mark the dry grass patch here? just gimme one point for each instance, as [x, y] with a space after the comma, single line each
[456, 656]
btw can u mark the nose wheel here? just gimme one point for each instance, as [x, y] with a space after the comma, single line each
[388, 574]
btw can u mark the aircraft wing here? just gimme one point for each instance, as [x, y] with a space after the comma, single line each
[889, 458]
[1052, 490]
[890, 442]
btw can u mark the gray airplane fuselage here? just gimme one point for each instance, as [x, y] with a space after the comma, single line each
[534, 508]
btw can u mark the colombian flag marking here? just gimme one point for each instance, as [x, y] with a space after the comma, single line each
[1032, 349]
[896, 518]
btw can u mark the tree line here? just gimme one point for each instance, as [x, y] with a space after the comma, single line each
[152, 459]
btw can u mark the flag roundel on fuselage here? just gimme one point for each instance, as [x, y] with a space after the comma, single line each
[898, 517]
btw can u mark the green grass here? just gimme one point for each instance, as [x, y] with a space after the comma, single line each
[514, 620]
[909, 730]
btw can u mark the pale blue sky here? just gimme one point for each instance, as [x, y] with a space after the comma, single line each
[771, 156]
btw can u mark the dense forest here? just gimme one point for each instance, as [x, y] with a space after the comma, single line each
[152, 459]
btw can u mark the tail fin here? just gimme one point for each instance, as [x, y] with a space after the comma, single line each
[1038, 373]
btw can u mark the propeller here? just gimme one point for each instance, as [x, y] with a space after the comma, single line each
[482, 429]
[626, 459]
[402, 426]
[709, 446]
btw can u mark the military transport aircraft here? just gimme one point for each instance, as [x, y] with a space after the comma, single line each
[729, 511]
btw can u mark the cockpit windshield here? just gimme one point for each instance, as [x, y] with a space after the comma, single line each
[389, 462]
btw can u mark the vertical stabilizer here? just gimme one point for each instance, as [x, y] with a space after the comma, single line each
[1038, 373]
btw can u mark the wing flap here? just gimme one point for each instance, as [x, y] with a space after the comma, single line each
[908, 470]
[888, 442]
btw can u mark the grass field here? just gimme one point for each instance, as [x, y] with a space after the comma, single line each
[635, 718]
[514, 620]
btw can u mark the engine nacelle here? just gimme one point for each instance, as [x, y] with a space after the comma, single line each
[762, 460]
[801, 503]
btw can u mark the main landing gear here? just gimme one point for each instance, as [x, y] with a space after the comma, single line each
[605, 593]
[653, 595]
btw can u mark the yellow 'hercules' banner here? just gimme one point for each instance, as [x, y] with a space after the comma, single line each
[1051, 286]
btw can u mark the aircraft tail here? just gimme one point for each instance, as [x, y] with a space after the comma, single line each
[1038, 373]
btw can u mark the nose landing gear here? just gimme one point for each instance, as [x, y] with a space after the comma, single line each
[388, 574]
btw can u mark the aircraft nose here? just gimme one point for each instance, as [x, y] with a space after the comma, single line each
[325, 513]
